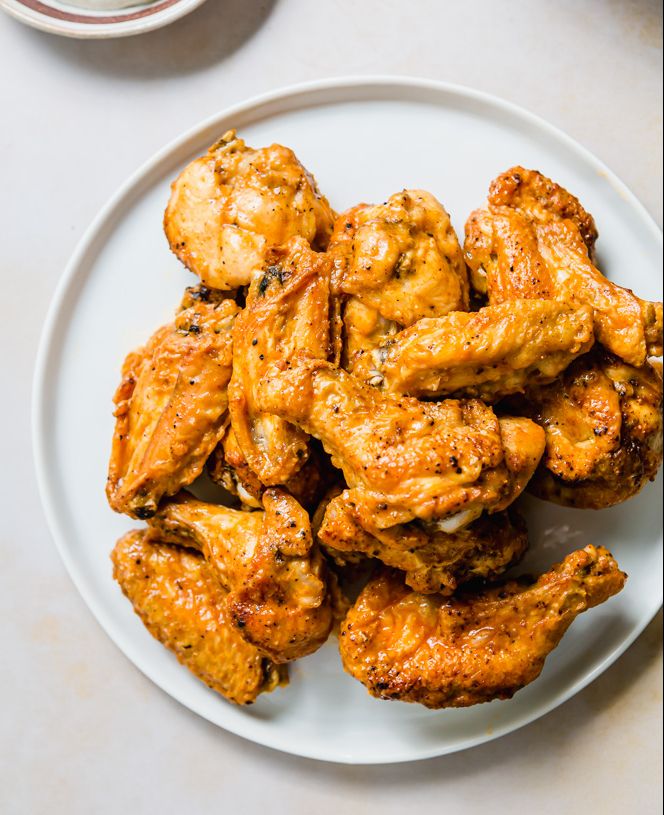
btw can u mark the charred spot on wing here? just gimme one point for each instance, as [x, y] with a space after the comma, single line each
[191, 326]
[201, 293]
[143, 513]
[271, 273]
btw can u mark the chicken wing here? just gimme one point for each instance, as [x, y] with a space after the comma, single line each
[171, 407]
[433, 560]
[402, 458]
[488, 354]
[182, 605]
[473, 647]
[228, 207]
[603, 425]
[287, 310]
[396, 263]
[268, 563]
[228, 468]
[362, 330]
[534, 240]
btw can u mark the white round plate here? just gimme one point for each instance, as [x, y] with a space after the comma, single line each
[70, 20]
[363, 139]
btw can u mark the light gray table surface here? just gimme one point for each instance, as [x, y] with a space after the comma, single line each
[81, 730]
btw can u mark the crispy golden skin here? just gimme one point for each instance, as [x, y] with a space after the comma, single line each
[402, 458]
[362, 332]
[401, 258]
[488, 354]
[433, 560]
[183, 606]
[228, 468]
[287, 310]
[395, 263]
[228, 207]
[534, 240]
[603, 425]
[268, 563]
[473, 647]
[171, 407]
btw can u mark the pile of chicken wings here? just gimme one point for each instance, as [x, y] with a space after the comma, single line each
[373, 398]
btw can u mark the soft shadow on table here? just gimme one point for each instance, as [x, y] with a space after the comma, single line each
[637, 5]
[601, 696]
[207, 36]
[642, 16]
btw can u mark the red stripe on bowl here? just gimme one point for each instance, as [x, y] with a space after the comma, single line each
[49, 11]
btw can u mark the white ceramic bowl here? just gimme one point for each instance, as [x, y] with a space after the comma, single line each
[87, 23]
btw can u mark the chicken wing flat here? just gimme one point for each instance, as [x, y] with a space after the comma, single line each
[603, 425]
[171, 407]
[396, 263]
[433, 560]
[534, 240]
[488, 354]
[402, 458]
[287, 310]
[473, 647]
[228, 207]
[266, 561]
[182, 605]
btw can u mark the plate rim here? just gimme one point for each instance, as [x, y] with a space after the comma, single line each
[98, 31]
[66, 284]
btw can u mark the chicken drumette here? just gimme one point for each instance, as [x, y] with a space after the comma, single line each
[182, 604]
[266, 561]
[228, 207]
[473, 647]
[533, 239]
